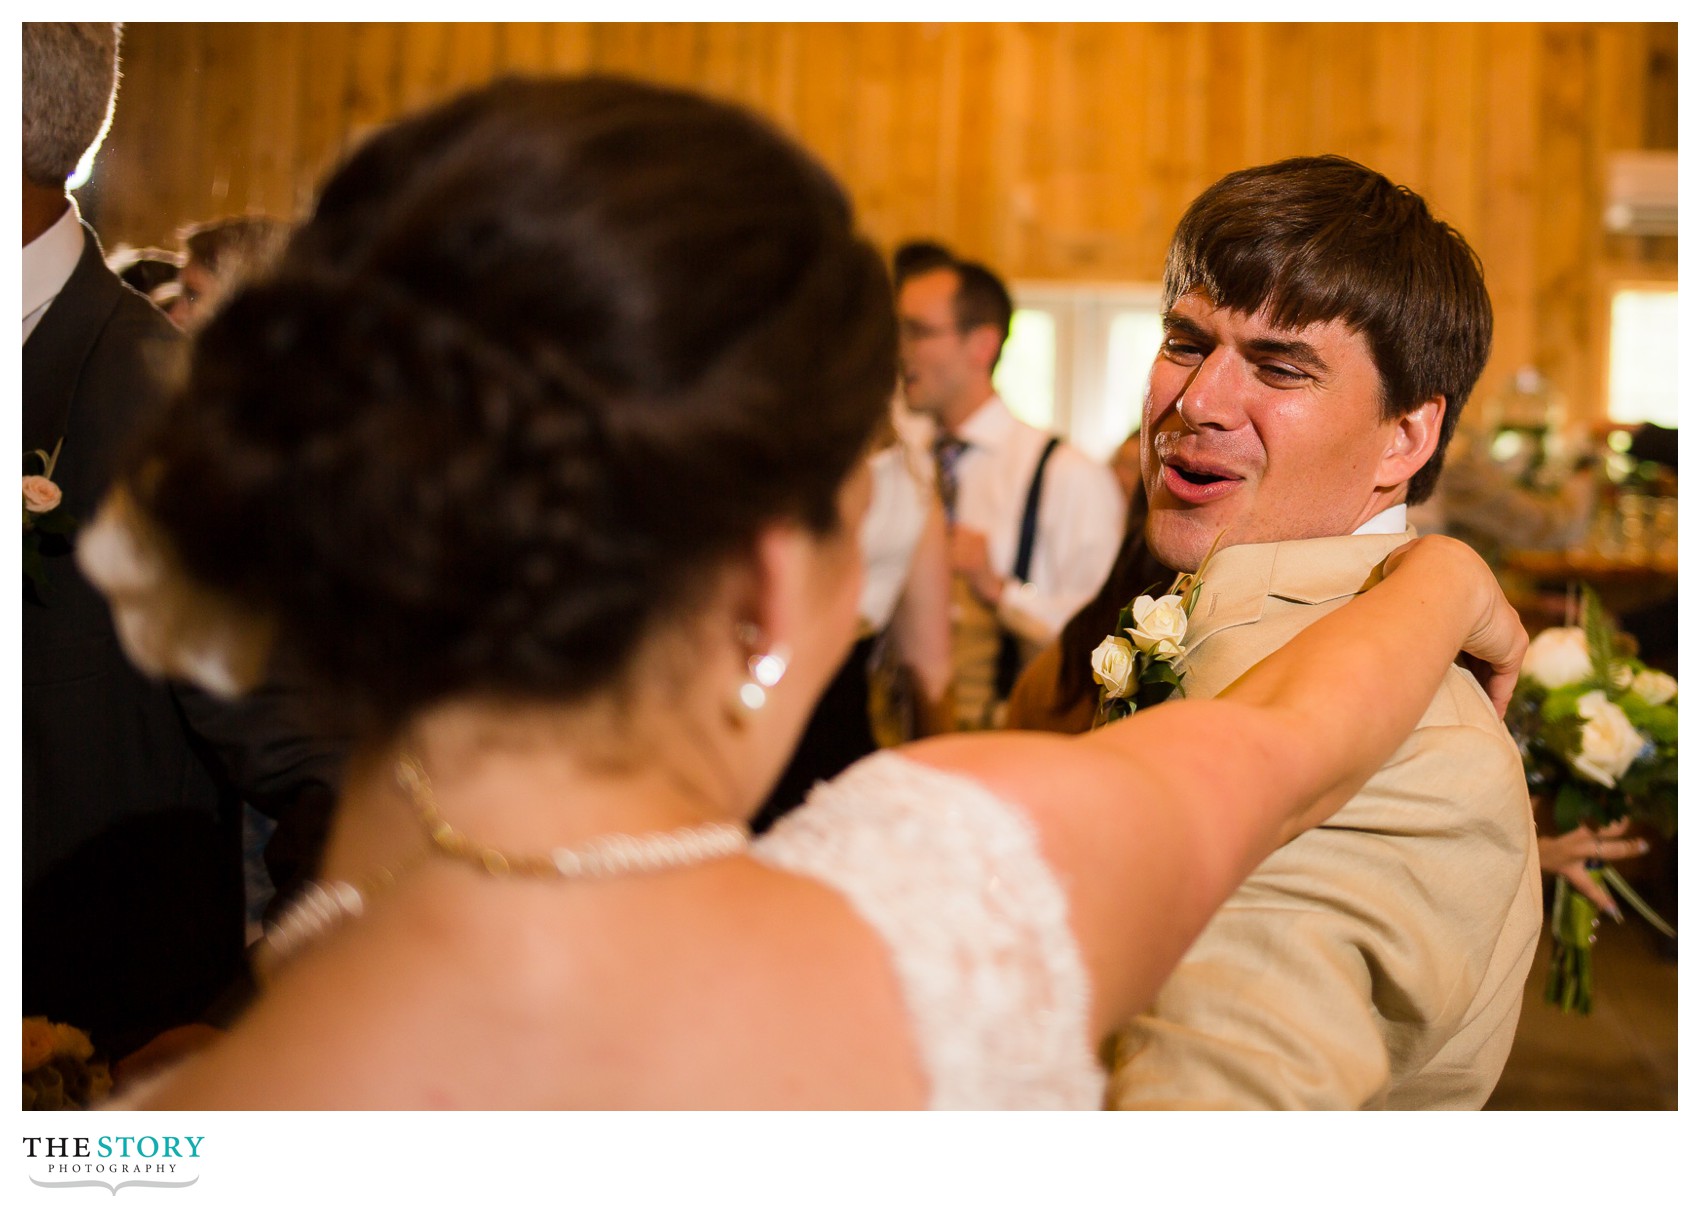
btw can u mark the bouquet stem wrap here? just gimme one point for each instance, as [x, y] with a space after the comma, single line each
[1575, 922]
[1570, 976]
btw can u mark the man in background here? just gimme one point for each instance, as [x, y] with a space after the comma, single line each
[133, 898]
[1034, 522]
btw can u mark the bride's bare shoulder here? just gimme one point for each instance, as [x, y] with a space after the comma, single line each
[1035, 771]
[603, 996]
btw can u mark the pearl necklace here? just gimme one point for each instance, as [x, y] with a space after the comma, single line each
[323, 906]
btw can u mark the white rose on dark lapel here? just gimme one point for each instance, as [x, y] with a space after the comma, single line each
[1113, 666]
[1609, 741]
[1654, 687]
[1159, 626]
[41, 495]
[1558, 657]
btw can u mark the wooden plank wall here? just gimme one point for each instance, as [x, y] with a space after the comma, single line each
[1053, 151]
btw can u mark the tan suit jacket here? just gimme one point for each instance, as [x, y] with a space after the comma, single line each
[1377, 961]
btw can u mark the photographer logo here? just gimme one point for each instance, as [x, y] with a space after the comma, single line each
[113, 1162]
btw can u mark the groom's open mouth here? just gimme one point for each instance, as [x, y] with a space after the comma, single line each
[1194, 482]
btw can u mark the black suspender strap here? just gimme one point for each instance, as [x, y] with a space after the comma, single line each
[1009, 651]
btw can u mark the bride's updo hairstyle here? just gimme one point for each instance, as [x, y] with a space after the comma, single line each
[542, 359]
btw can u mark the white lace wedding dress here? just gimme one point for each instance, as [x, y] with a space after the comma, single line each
[951, 878]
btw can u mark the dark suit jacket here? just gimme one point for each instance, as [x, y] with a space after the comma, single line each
[133, 899]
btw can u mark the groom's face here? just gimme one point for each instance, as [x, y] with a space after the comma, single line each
[1259, 433]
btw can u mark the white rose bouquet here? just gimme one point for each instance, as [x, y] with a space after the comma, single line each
[42, 514]
[1140, 663]
[1597, 730]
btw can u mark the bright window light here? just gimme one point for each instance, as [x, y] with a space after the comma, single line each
[1643, 356]
[1026, 376]
[1078, 359]
[1134, 337]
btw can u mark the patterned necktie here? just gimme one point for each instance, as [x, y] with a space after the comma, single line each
[947, 453]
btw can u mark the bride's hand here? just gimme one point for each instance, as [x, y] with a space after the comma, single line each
[1495, 645]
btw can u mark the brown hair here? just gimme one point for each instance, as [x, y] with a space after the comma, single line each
[918, 257]
[542, 359]
[1319, 238]
[982, 299]
[1135, 571]
[981, 296]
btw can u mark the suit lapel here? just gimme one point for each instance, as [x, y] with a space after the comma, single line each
[54, 355]
[1232, 591]
[1239, 580]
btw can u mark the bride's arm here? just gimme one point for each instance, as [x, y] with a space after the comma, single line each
[1151, 823]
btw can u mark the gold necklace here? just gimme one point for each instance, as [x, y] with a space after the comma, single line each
[610, 855]
[323, 906]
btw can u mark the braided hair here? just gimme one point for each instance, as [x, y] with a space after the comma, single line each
[541, 360]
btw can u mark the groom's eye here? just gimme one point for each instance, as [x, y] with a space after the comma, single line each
[1281, 375]
[1179, 350]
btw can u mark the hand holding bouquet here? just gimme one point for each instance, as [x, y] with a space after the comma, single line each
[1597, 730]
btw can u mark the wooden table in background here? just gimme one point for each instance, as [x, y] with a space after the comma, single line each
[1538, 582]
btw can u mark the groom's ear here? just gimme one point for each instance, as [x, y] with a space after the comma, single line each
[1410, 442]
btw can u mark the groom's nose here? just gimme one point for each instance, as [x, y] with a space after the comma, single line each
[1211, 399]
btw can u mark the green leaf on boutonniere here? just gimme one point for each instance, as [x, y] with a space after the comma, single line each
[46, 460]
[1116, 709]
[1160, 673]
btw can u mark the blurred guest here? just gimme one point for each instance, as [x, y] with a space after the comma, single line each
[219, 255]
[132, 901]
[1033, 522]
[146, 271]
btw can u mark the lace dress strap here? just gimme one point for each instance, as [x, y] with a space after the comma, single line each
[951, 878]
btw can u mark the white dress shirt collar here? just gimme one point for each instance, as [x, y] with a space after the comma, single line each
[989, 425]
[1389, 521]
[49, 261]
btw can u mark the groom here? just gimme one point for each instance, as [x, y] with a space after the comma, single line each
[1321, 333]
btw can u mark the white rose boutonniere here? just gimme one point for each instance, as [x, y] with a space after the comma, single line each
[1159, 626]
[1115, 665]
[1147, 666]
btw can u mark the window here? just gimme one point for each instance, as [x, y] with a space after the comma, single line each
[1641, 384]
[1026, 375]
[1077, 360]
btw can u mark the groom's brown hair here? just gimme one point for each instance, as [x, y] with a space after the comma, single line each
[1319, 238]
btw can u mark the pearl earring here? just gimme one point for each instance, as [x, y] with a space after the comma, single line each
[766, 669]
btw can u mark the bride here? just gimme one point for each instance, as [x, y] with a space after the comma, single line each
[541, 449]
